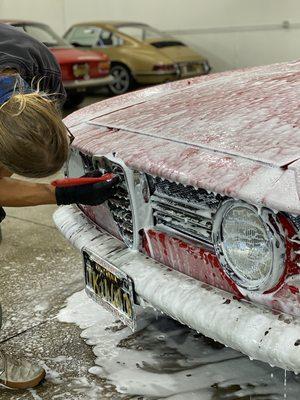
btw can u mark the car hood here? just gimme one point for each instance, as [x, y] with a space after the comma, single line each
[236, 133]
[72, 55]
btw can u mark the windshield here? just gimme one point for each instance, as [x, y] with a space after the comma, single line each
[142, 32]
[44, 34]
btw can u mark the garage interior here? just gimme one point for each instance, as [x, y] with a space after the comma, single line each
[86, 353]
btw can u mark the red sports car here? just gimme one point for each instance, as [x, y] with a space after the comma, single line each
[81, 69]
[205, 223]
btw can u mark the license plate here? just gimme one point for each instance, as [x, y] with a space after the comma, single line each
[110, 287]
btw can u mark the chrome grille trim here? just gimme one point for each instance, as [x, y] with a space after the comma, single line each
[128, 207]
[184, 209]
[120, 206]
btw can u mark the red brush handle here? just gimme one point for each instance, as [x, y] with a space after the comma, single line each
[67, 182]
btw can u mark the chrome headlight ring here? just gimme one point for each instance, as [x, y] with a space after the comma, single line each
[249, 243]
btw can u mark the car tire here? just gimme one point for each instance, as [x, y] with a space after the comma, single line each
[124, 81]
[74, 99]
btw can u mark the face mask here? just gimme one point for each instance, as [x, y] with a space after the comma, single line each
[10, 85]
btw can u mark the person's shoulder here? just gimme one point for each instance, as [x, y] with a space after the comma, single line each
[6, 27]
[10, 31]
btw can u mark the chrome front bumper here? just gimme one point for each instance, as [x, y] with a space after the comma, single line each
[88, 83]
[256, 332]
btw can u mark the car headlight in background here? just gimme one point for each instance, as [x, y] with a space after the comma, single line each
[250, 245]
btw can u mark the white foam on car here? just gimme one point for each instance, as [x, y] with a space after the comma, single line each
[254, 331]
[167, 360]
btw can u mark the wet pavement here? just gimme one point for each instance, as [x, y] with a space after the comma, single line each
[165, 360]
[89, 355]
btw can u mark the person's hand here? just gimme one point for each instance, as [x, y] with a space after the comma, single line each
[88, 194]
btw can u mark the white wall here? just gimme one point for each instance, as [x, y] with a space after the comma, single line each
[231, 33]
[48, 11]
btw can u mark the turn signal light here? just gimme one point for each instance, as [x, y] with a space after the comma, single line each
[104, 66]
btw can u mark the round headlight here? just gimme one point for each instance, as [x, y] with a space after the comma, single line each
[249, 245]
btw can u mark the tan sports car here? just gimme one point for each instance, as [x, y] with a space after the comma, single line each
[139, 53]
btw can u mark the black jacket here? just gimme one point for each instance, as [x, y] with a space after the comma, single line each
[32, 59]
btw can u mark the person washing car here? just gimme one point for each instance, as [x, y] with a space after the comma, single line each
[34, 143]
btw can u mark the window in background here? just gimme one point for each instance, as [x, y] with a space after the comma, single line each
[141, 32]
[84, 36]
[44, 34]
[108, 38]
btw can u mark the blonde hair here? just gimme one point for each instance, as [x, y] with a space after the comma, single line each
[33, 138]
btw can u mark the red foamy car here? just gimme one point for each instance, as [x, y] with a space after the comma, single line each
[80, 69]
[205, 222]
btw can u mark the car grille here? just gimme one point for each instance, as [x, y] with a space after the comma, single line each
[187, 210]
[120, 207]
[179, 210]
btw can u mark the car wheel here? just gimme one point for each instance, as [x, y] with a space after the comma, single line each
[123, 79]
[74, 99]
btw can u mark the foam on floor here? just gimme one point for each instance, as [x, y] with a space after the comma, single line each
[164, 359]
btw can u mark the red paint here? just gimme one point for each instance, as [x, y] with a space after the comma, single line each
[204, 266]
[188, 259]
[99, 64]
[291, 247]
[286, 296]
[291, 268]
[294, 289]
